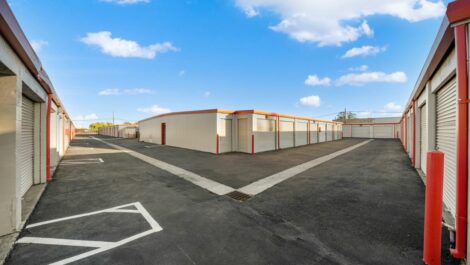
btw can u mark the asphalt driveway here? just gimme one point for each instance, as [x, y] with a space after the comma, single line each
[363, 207]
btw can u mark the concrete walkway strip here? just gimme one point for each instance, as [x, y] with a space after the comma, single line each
[268, 182]
[210, 185]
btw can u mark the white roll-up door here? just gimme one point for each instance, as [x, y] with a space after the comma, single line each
[423, 137]
[225, 135]
[322, 132]
[27, 145]
[301, 134]
[446, 135]
[265, 135]
[243, 136]
[347, 131]
[287, 134]
[409, 140]
[329, 132]
[360, 131]
[383, 131]
[313, 133]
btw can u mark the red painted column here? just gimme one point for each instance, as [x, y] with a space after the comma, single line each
[459, 251]
[414, 135]
[48, 138]
[433, 208]
[278, 132]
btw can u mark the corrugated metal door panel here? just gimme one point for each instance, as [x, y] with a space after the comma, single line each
[322, 132]
[360, 131]
[301, 135]
[423, 137]
[287, 134]
[27, 145]
[446, 112]
[347, 131]
[265, 135]
[243, 135]
[225, 136]
[383, 131]
[313, 133]
[409, 140]
[328, 132]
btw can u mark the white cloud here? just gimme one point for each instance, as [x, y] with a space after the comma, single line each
[371, 77]
[337, 22]
[361, 68]
[311, 101]
[84, 121]
[38, 44]
[314, 80]
[364, 51]
[130, 92]
[393, 107]
[207, 94]
[154, 109]
[118, 47]
[126, 2]
[364, 114]
[182, 72]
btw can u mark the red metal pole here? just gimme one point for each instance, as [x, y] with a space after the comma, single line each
[462, 143]
[414, 133]
[48, 138]
[278, 132]
[433, 208]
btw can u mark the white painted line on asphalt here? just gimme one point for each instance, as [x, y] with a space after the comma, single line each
[64, 242]
[123, 211]
[99, 250]
[100, 246]
[268, 182]
[208, 184]
[81, 161]
[78, 216]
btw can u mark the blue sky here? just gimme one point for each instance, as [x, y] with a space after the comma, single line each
[139, 58]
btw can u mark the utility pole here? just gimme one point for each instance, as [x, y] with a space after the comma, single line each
[113, 117]
[344, 117]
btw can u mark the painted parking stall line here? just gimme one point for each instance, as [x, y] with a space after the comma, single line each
[99, 246]
[268, 182]
[208, 184]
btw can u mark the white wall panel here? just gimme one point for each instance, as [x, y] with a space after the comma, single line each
[287, 133]
[301, 135]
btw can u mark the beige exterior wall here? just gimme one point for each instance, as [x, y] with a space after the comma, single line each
[192, 131]
[265, 132]
[12, 87]
[301, 132]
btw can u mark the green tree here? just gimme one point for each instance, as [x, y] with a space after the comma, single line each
[345, 115]
[96, 125]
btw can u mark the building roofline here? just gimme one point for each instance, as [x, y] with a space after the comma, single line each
[237, 112]
[11, 31]
[457, 12]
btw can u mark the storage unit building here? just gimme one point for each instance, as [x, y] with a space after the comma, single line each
[35, 129]
[380, 128]
[120, 130]
[222, 131]
[436, 118]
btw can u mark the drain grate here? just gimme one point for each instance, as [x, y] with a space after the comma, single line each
[239, 196]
